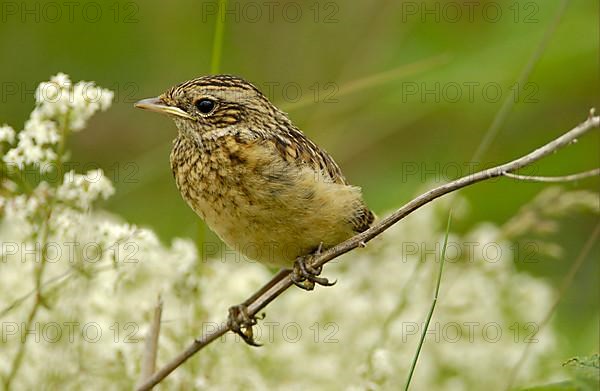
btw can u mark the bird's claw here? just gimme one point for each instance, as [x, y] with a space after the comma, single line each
[241, 322]
[306, 276]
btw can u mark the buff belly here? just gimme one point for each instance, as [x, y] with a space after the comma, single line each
[267, 209]
[275, 223]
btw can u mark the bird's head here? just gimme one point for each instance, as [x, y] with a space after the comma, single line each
[210, 103]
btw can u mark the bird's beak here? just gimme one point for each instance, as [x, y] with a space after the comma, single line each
[159, 106]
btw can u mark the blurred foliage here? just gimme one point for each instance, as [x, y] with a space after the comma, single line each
[390, 139]
[585, 371]
[585, 376]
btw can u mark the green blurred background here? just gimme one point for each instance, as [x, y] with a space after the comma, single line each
[400, 93]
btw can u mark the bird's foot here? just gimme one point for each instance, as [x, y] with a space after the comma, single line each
[305, 275]
[241, 322]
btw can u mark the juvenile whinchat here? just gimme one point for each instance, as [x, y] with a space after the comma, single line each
[256, 180]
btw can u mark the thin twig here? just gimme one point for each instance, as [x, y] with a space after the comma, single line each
[359, 240]
[151, 346]
[566, 283]
[555, 179]
[510, 101]
[380, 78]
[432, 308]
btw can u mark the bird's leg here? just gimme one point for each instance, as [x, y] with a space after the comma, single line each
[240, 321]
[305, 275]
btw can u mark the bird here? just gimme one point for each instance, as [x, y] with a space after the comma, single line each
[258, 182]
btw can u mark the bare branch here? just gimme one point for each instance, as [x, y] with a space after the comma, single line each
[278, 287]
[151, 346]
[555, 179]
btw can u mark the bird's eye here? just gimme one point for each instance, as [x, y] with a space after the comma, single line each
[205, 105]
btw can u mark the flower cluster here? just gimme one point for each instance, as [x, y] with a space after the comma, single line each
[60, 107]
[94, 185]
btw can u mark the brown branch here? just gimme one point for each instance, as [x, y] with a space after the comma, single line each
[555, 179]
[261, 301]
[151, 346]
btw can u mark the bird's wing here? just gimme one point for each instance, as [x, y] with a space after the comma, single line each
[295, 147]
[362, 219]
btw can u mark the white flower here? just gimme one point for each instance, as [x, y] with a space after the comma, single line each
[106, 99]
[382, 365]
[82, 190]
[100, 185]
[87, 99]
[14, 158]
[62, 80]
[60, 107]
[48, 92]
[7, 134]
[41, 131]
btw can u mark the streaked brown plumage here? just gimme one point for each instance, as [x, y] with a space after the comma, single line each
[258, 182]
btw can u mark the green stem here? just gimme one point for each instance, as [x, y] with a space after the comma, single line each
[64, 133]
[433, 303]
[215, 65]
[218, 38]
[39, 272]
[39, 301]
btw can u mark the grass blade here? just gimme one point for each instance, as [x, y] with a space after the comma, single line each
[217, 49]
[433, 303]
